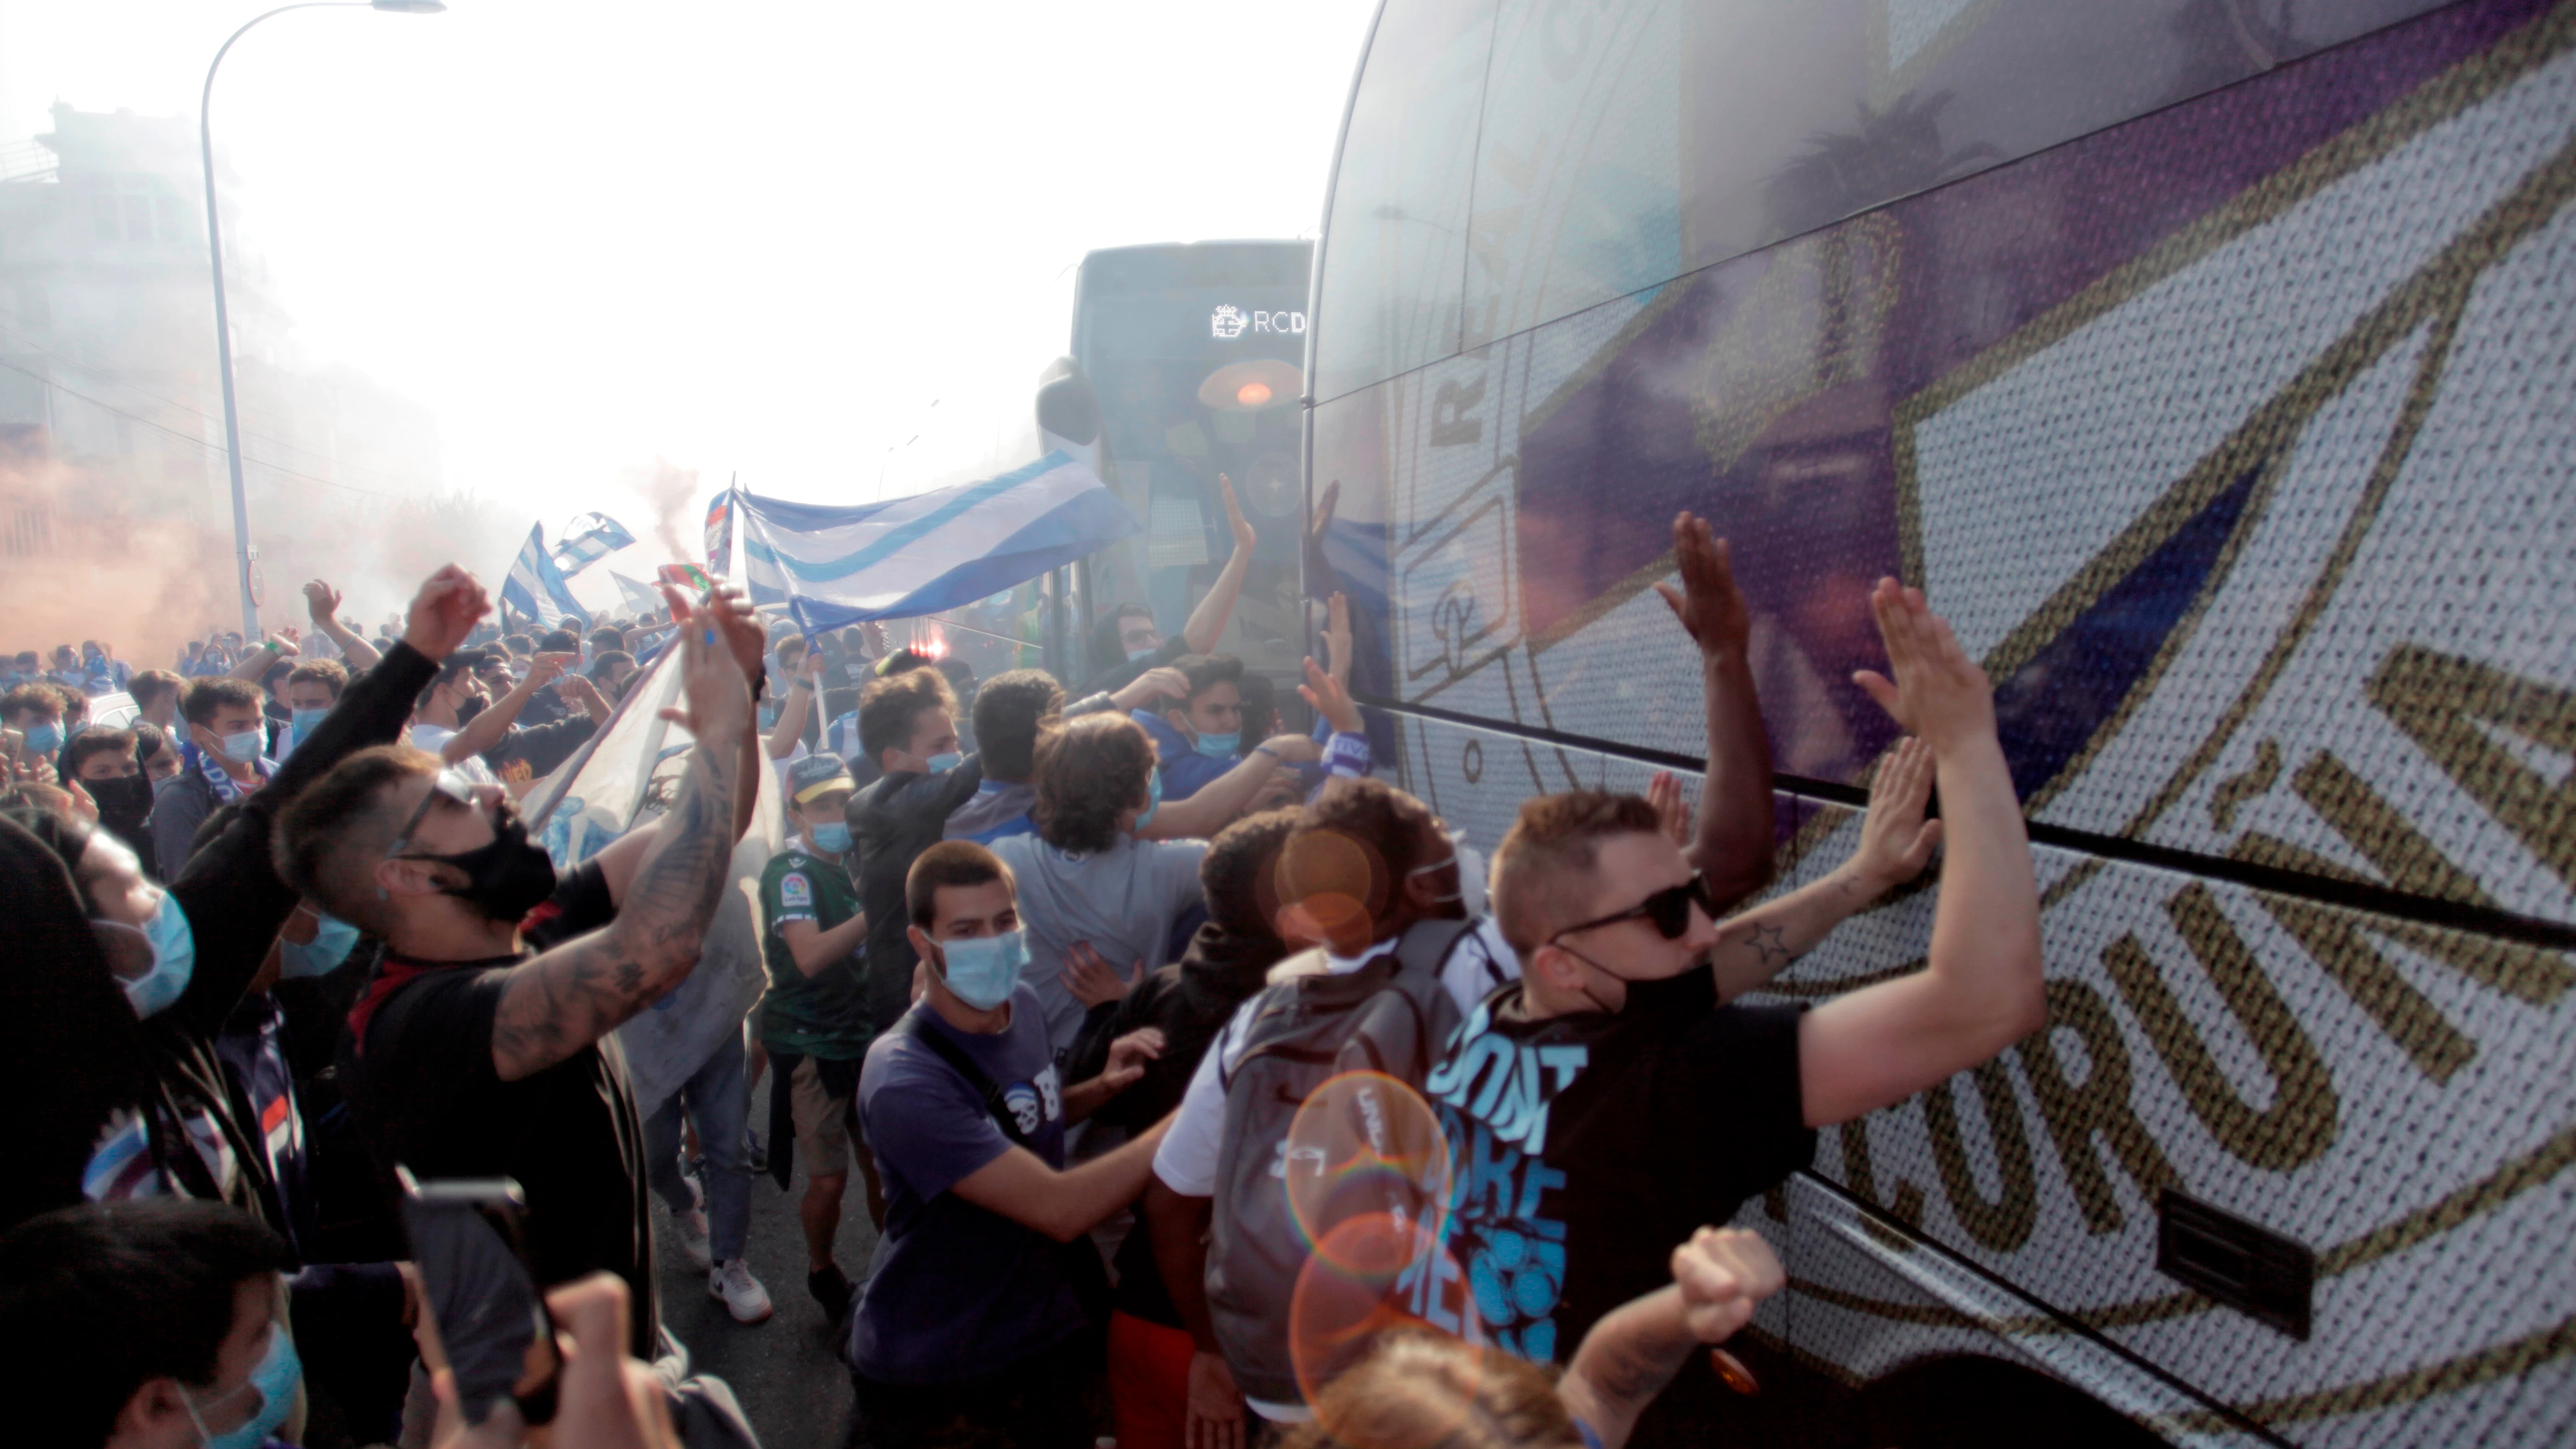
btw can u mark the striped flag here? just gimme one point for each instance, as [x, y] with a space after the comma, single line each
[588, 539]
[537, 589]
[912, 556]
[639, 598]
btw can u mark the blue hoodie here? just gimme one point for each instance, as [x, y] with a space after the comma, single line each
[1185, 770]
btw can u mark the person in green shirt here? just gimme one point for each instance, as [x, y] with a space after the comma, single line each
[815, 1018]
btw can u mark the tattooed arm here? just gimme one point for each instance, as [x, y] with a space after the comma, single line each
[1895, 844]
[563, 1000]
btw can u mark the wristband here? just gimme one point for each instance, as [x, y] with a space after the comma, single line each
[1265, 750]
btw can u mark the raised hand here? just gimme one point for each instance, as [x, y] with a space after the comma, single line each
[1244, 537]
[1724, 1274]
[323, 602]
[283, 645]
[1664, 792]
[717, 702]
[1161, 682]
[545, 669]
[1092, 980]
[1896, 842]
[1327, 697]
[1294, 749]
[739, 626]
[1708, 603]
[1939, 693]
[450, 603]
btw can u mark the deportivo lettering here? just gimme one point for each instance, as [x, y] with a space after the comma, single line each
[1493, 1094]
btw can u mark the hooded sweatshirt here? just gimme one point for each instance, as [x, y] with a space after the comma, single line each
[1122, 901]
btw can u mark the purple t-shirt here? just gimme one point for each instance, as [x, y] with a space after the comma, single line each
[958, 1292]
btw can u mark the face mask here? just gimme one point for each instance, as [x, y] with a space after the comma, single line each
[307, 721]
[332, 942]
[1455, 858]
[832, 837]
[275, 1381]
[1153, 798]
[1219, 747]
[242, 748]
[44, 739]
[123, 801]
[505, 879]
[468, 707]
[1139, 656]
[174, 961]
[942, 764]
[982, 970]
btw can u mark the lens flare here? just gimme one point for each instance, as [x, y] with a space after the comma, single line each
[1365, 1145]
[1369, 1274]
[1252, 394]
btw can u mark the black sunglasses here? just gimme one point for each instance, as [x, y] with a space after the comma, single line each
[1668, 908]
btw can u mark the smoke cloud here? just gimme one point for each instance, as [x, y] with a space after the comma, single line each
[671, 490]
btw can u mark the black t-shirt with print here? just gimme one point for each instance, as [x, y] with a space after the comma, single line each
[1587, 1147]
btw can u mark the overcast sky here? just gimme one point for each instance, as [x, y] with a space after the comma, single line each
[757, 237]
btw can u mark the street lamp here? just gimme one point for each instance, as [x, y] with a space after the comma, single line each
[223, 322]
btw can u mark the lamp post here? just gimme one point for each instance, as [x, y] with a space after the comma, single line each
[223, 320]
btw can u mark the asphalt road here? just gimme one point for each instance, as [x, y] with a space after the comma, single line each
[787, 1371]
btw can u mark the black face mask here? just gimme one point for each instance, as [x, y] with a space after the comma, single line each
[468, 707]
[505, 879]
[123, 802]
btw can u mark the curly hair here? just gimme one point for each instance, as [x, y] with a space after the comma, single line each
[888, 707]
[1416, 1389]
[1239, 873]
[1088, 774]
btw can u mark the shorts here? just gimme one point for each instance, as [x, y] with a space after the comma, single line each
[822, 1122]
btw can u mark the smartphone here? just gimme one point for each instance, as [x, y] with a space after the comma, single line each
[469, 1237]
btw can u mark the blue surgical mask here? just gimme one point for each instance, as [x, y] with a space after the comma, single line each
[307, 721]
[332, 942]
[982, 970]
[44, 739]
[1153, 798]
[942, 764]
[174, 960]
[832, 837]
[242, 748]
[1139, 656]
[275, 1381]
[1220, 747]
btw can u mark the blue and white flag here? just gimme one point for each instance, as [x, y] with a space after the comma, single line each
[640, 598]
[906, 557]
[537, 589]
[587, 540]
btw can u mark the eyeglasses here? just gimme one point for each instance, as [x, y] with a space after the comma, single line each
[1669, 909]
[452, 784]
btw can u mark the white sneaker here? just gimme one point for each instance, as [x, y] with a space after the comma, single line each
[743, 1296]
[691, 1229]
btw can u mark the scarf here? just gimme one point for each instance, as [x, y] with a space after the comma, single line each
[226, 788]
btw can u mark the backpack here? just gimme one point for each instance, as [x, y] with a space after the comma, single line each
[1390, 1016]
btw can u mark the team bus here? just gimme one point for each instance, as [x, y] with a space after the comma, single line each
[2211, 364]
[1195, 354]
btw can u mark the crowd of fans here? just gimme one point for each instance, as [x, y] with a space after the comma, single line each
[1070, 978]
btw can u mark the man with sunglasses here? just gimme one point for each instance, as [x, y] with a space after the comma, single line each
[470, 1054]
[1608, 1103]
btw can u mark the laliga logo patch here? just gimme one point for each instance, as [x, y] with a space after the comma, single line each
[1226, 323]
[795, 890]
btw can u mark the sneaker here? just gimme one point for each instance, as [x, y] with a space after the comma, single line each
[743, 1296]
[690, 1229]
[831, 1288]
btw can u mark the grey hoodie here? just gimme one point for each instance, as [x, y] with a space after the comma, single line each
[1122, 901]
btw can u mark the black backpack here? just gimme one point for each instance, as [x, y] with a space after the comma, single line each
[1390, 1016]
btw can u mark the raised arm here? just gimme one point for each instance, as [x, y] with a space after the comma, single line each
[571, 996]
[258, 659]
[1980, 990]
[1895, 844]
[1207, 622]
[814, 947]
[323, 602]
[586, 694]
[492, 724]
[1719, 1277]
[798, 706]
[1063, 1205]
[1214, 805]
[1733, 848]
